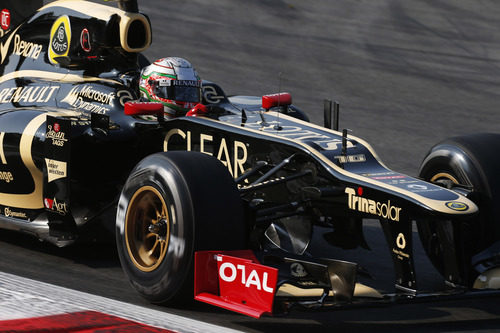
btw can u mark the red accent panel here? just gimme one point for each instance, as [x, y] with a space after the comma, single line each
[206, 277]
[143, 108]
[234, 280]
[86, 321]
[269, 101]
[198, 110]
[205, 273]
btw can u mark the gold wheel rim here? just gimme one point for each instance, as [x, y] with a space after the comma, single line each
[147, 229]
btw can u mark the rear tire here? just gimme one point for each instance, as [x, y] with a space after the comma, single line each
[472, 161]
[172, 205]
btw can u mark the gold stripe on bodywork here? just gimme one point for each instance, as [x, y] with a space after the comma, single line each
[33, 200]
[2, 154]
[51, 76]
[360, 290]
[97, 10]
[4, 47]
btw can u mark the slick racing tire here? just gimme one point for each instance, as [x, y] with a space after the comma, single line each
[172, 205]
[471, 162]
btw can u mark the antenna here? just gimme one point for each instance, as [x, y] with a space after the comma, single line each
[243, 117]
[278, 126]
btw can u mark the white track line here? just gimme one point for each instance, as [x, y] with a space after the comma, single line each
[25, 298]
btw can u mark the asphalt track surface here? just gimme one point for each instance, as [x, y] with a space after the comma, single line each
[407, 74]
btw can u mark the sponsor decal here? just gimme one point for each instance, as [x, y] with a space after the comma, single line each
[384, 175]
[60, 37]
[10, 213]
[6, 176]
[248, 277]
[401, 241]
[5, 19]
[351, 158]
[48, 203]
[233, 163]
[401, 255]
[26, 49]
[388, 177]
[30, 94]
[364, 205]
[54, 133]
[55, 169]
[59, 207]
[401, 244]
[85, 40]
[21, 47]
[417, 187]
[331, 144]
[325, 142]
[457, 205]
[187, 83]
[76, 96]
[88, 92]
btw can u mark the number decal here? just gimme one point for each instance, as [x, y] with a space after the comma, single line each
[2, 154]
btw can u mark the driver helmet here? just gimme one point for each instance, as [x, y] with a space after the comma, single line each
[173, 82]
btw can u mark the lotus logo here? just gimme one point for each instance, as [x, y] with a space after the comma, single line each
[456, 205]
[60, 38]
[60, 33]
[298, 270]
[60, 43]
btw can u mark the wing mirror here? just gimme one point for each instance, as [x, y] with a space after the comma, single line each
[281, 99]
[143, 109]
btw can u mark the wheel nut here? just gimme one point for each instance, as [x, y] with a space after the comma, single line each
[159, 228]
[154, 228]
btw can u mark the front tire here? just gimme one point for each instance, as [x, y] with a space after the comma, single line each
[472, 162]
[172, 205]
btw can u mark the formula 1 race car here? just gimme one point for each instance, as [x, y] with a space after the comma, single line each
[225, 199]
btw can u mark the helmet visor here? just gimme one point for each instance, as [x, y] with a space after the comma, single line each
[179, 90]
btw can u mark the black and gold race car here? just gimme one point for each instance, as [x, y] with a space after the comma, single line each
[225, 201]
